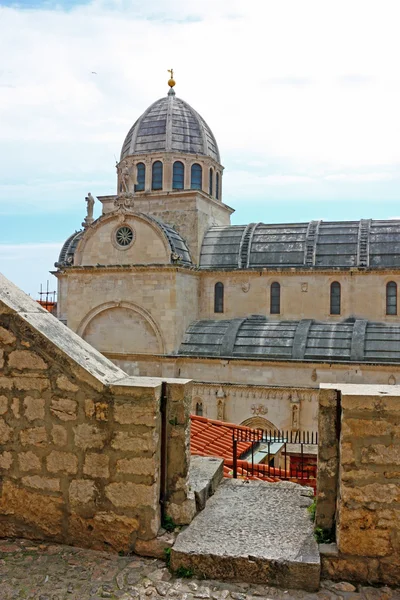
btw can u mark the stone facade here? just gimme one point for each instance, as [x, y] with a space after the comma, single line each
[360, 492]
[81, 442]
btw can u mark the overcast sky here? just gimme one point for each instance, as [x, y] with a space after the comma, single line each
[302, 96]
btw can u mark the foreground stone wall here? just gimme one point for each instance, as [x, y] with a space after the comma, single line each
[80, 441]
[368, 492]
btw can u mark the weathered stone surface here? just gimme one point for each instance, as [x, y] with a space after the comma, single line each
[42, 483]
[81, 491]
[131, 495]
[34, 408]
[129, 413]
[15, 407]
[97, 465]
[6, 337]
[127, 441]
[64, 384]
[205, 474]
[64, 408]
[35, 436]
[364, 543]
[3, 405]
[137, 466]
[1, 358]
[374, 492]
[25, 359]
[30, 382]
[28, 461]
[236, 536]
[379, 454]
[65, 462]
[5, 432]
[104, 531]
[155, 547]
[5, 460]
[88, 436]
[98, 410]
[32, 508]
[59, 435]
[352, 428]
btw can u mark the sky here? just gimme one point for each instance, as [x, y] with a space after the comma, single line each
[303, 99]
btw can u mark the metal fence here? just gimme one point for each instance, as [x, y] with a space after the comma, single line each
[274, 455]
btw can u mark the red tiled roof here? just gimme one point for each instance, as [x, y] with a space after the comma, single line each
[214, 438]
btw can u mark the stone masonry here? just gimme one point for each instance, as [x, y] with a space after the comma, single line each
[366, 481]
[80, 441]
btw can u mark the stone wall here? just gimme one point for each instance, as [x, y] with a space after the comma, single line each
[368, 490]
[80, 458]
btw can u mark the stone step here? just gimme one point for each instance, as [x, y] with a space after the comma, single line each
[205, 475]
[255, 532]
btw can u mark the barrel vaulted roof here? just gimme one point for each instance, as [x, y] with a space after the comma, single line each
[256, 337]
[365, 243]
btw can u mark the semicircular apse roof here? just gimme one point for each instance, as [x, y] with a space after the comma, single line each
[320, 244]
[354, 340]
[170, 125]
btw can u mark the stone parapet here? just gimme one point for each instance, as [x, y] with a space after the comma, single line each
[80, 459]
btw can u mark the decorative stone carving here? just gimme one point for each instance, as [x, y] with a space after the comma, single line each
[304, 287]
[259, 409]
[246, 286]
[295, 417]
[392, 380]
[124, 202]
[89, 208]
[221, 409]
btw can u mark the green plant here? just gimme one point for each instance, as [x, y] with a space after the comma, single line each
[324, 536]
[312, 508]
[173, 421]
[183, 572]
[167, 556]
[168, 523]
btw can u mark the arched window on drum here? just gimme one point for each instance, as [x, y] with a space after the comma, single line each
[178, 176]
[140, 177]
[157, 176]
[196, 177]
[219, 297]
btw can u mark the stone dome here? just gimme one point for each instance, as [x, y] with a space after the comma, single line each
[170, 125]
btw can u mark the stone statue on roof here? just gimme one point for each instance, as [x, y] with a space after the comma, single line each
[90, 206]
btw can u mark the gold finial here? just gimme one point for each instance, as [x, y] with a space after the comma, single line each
[171, 81]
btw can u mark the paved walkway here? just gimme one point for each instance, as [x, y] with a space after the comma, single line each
[49, 572]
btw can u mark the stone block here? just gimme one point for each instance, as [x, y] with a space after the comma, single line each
[98, 410]
[34, 408]
[97, 466]
[155, 547]
[35, 436]
[347, 456]
[42, 483]
[81, 491]
[1, 358]
[28, 461]
[88, 436]
[371, 543]
[3, 405]
[62, 462]
[128, 441]
[32, 508]
[352, 428]
[15, 407]
[64, 384]
[137, 466]
[128, 414]
[25, 359]
[64, 409]
[59, 435]
[5, 432]
[30, 382]
[373, 492]
[132, 495]
[378, 454]
[6, 337]
[5, 460]
[103, 531]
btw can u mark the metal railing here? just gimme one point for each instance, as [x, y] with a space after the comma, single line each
[274, 455]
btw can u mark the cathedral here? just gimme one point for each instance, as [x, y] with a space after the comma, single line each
[256, 315]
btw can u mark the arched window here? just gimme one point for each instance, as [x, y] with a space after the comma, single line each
[210, 186]
[140, 177]
[199, 409]
[391, 298]
[335, 298]
[219, 297]
[157, 176]
[178, 176]
[217, 186]
[196, 177]
[275, 299]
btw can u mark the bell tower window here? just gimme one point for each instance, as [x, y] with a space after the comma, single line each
[210, 187]
[157, 176]
[217, 186]
[196, 177]
[178, 175]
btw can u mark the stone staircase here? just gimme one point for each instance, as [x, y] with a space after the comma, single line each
[250, 531]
